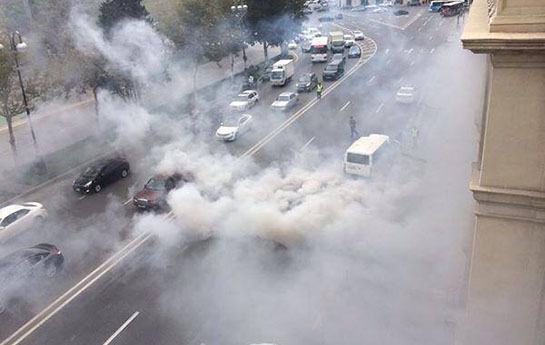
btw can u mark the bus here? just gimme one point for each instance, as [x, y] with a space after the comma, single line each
[452, 8]
[319, 49]
[435, 6]
[362, 156]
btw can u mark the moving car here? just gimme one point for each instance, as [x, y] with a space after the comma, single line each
[245, 100]
[325, 19]
[155, 191]
[354, 52]
[15, 219]
[338, 57]
[100, 174]
[17, 268]
[339, 16]
[413, 3]
[285, 101]
[292, 45]
[380, 10]
[306, 46]
[358, 35]
[401, 13]
[233, 125]
[307, 82]
[405, 94]
[333, 71]
[349, 41]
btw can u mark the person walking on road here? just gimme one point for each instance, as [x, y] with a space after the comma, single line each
[319, 89]
[414, 136]
[354, 134]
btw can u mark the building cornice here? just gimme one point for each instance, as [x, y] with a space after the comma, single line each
[507, 203]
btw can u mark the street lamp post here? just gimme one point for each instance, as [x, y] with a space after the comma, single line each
[17, 45]
[239, 12]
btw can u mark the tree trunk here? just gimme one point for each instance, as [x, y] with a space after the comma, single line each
[232, 67]
[95, 96]
[265, 51]
[12, 138]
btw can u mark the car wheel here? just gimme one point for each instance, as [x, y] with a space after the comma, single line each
[124, 173]
[234, 137]
[98, 188]
[50, 271]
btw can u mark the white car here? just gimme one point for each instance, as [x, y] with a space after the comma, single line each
[232, 125]
[285, 101]
[245, 100]
[405, 94]
[380, 10]
[349, 41]
[16, 219]
[358, 35]
[292, 45]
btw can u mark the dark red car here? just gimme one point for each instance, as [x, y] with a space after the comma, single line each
[154, 194]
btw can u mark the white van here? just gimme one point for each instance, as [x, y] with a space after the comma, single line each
[362, 155]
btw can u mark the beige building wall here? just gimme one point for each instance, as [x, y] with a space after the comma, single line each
[507, 276]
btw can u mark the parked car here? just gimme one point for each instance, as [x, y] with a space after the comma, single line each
[339, 16]
[401, 13]
[307, 82]
[153, 196]
[413, 3]
[245, 100]
[358, 35]
[285, 101]
[360, 8]
[354, 52]
[333, 71]
[16, 219]
[349, 40]
[405, 94]
[326, 19]
[338, 57]
[233, 125]
[100, 174]
[380, 10]
[43, 260]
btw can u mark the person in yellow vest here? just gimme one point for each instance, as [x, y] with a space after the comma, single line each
[319, 89]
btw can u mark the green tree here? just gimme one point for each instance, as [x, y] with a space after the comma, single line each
[114, 11]
[274, 22]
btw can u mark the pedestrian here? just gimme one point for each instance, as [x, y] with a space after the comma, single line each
[354, 134]
[414, 136]
[319, 89]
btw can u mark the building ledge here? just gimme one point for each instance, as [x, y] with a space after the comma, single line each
[478, 37]
[505, 202]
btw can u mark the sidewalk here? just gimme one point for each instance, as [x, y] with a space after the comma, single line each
[69, 128]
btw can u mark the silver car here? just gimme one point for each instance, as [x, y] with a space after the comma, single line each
[285, 101]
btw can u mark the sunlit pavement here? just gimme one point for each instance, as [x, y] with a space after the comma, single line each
[423, 55]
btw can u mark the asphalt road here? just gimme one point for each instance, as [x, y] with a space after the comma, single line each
[423, 54]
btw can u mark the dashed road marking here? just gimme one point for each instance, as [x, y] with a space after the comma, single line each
[120, 329]
[432, 50]
[344, 106]
[379, 108]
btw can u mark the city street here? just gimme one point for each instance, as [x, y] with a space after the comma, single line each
[141, 299]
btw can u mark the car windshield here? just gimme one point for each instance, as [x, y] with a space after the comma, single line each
[338, 43]
[318, 49]
[242, 98]
[277, 75]
[284, 98]
[348, 37]
[91, 172]
[304, 78]
[354, 49]
[229, 121]
[337, 57]
[154, 184]
[331, 68]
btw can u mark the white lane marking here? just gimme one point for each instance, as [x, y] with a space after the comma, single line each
[28, 328]
[412, 62]
[296, 56]
[82, 197]
[344, 106]
[372, 78]
[127, 202]
[307, 143]
[379, 108]
[400, 80]
[431, 37]
[388, 62]
[120, 329]
[387, 51]
[432, 50]
[440, 24]
[420, 28]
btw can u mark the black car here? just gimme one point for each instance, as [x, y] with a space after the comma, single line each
[339, 16]
[334, 70]
[401, 13]
[42, 260]
[326, 19]
[354, 52]
[307, 82]
[101, 174]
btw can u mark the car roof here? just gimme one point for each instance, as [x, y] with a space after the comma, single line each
[6, 211]
[286, 93]
[245, 92]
